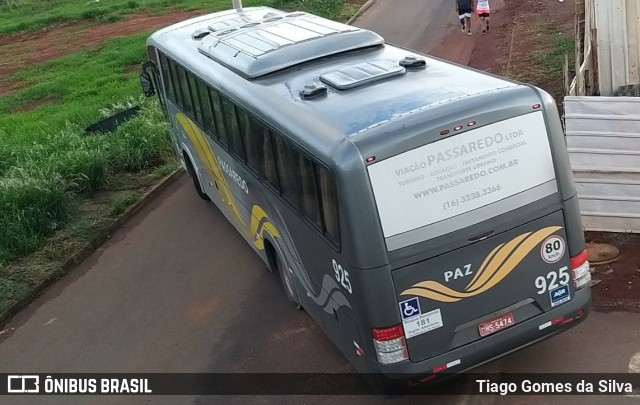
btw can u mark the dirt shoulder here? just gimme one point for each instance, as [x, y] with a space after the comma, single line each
[618, 283]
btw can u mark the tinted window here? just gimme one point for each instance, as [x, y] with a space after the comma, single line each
[251, 131]
[329, 204]
[166, 78]
[207, 113]
[233, 130]
[218, 117]
[197, 109]
[269, 171]
[309, 193]
[284, 162]
[176, 83]
[184, 85]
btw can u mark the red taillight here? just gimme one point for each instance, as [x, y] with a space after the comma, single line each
[444, 132]
[389, 344]
[427, 378]
[580, 259]
[558, 320]
[536, 106]
[440, 368]
[580, 270]
[384, 334]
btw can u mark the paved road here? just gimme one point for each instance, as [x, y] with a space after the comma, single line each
[417, 24]
[177, 290]
[428, 26]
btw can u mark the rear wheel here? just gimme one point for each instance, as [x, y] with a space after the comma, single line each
[194, 177]
[287, 282]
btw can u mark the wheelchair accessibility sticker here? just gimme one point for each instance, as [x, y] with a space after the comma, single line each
[415, 322]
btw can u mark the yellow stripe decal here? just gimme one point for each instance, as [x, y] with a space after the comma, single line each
[496, 267]
[259, 221]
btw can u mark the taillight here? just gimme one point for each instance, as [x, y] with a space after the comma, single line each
[580, 270]
[390, 344]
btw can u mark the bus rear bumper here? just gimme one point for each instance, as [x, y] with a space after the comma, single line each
[407, 373]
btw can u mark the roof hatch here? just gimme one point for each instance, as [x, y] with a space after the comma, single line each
[362, 73]
[260, 41]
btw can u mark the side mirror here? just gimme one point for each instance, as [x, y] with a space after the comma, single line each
[147, 84]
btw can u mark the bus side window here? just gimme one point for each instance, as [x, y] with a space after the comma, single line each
[285, 155]
[329, 205]
[207, 113]
[249, 130]
[176, 83]
[197, 109]
[309, 196]
[231, 123]
[220, 132]
[186, 94]
[269, 169]
[166, 78]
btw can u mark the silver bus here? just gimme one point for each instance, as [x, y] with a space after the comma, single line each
[423, 213]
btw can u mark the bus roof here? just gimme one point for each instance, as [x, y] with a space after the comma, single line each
[268, 59]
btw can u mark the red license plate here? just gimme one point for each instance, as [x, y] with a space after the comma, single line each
[496, 324]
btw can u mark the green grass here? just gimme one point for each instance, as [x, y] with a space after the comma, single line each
[44, 177]
[25, 15]
[553, 57]
[541, 64]
[338, 10]
[46, 161]
[120, 204]
[32, 206]
[166, 169]
[80, 83]
[50, 170]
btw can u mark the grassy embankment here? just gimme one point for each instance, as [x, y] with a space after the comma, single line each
[24, 15]
[59, 187]
[538, 55]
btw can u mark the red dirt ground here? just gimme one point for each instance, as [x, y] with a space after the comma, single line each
[619, 289]
[619, 286]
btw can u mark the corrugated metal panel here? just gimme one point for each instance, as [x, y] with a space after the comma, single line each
[618, 31]
[633, 39]
[603, 139]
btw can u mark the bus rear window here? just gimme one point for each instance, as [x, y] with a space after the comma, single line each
[463, 179]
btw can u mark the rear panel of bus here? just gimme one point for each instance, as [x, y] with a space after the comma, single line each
[483, 239]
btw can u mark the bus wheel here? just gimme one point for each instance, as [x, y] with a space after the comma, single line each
[194, 177]
[287, 282]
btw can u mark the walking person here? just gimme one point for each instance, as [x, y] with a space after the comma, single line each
[484, 11]
[464, 8]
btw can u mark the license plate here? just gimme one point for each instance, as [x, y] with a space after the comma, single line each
[496, 324]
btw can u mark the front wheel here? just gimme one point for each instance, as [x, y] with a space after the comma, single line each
[196, 181]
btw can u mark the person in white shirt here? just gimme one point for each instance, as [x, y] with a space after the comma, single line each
[484, 12]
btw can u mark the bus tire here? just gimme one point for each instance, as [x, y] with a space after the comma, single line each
[287, 282]
[194, 177]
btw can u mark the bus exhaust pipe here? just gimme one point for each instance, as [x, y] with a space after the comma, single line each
[237, 4]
